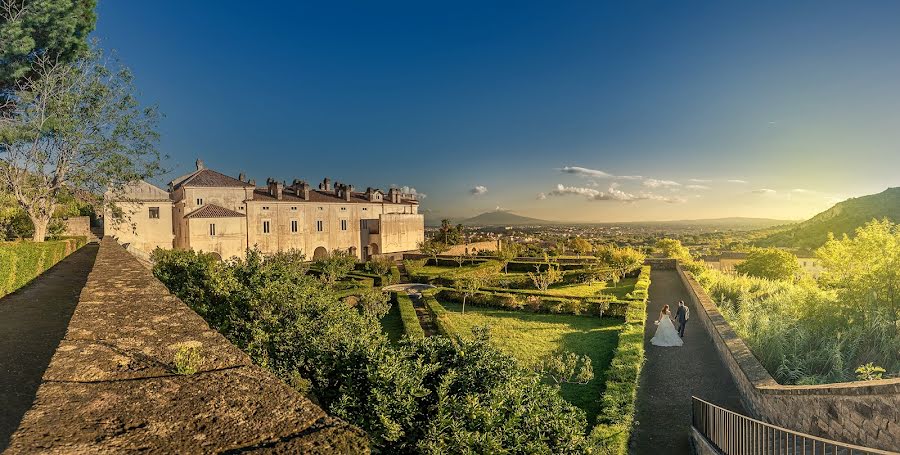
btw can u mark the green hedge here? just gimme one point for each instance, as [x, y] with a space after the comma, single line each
[21, 262]
[439, 315]
[411, 325]
[510, 299]
[617, 403]
[395, 274]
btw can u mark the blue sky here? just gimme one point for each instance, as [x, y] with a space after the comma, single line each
[549, 109]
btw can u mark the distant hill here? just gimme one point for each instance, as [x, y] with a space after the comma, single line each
[725, 223]
[841, 219]
[502, 218]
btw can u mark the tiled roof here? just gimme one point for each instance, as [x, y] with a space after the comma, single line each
[208, 178]
[262, 194]
[214, 211]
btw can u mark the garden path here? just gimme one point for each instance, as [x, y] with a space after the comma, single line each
[672, 375]
[33, 320]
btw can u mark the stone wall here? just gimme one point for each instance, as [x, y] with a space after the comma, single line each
[865, 413]
[661, 263]
[78, 226]
[469, 248]
[111, 387]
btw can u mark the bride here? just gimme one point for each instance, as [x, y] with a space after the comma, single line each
[666, 335]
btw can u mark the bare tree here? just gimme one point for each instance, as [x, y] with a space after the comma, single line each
[74, 126]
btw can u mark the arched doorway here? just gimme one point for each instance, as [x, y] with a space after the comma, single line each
[373, 249]
[320, 253]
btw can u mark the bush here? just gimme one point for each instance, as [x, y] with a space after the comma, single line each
[616, 415]
[21, 262]
[411, 325]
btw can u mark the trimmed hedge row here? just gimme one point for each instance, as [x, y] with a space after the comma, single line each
[411, 325]
[514, 299]
[617, 403]
[21, 262]
[439, 315]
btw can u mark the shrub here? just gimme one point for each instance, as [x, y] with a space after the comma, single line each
[21, 262]
[616, 415]
[187, 360]
[411, 325]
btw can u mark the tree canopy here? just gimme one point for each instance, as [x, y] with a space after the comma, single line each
[771, 263]
[53, 29]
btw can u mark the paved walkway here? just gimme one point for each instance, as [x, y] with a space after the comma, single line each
[33, 320]
[672, 375]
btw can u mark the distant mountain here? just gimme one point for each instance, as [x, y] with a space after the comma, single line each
[503, 218]
[841, 219]
[725, 223]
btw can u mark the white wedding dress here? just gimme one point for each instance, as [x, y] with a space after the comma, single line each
[666, 335]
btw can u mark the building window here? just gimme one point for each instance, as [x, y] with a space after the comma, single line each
[294, 225]
[321, 208]
[343, 209]
[364, 209]
[320, 226]
[154, 212]
[343, 225]
[199, 201]
[293, 208]
[212, 229]
[265, 227]
[265, 207]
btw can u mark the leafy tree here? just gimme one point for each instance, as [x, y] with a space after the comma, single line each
[567, 368]
[582, 246]
[460, 259]
[32, 29]
[433, 248]
[544, 279]
[509, 252]
[472, 282]
[374, 302]
[74, 127]
[336, 265]
[672, 248]
[380, 265]
[770, 263]
[865, 269]
[622, 260]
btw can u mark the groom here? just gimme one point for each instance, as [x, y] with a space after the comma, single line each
[682, 316]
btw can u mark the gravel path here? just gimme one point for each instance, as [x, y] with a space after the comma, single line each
[33, 320]
[672, 375]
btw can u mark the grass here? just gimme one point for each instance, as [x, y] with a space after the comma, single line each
[530, 337]
[624, 286]
[392, 324]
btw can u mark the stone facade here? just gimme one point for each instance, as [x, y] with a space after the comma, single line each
[145, 221]
[78, 226]
[215, 213]
[865, 413]
[110, 385]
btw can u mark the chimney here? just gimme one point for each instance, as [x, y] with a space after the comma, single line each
[241, 176]
[337, 189]
[394, 195]
[348, 192]
[276, 188]
[326, 184]
[252, 182]
[304, 191]
[199, 164]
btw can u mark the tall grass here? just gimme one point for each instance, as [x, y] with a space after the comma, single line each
[797, 332]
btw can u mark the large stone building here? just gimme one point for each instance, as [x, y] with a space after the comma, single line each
[727, 260]
[212, 212]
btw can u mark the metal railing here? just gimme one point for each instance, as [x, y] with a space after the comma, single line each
[735, 434]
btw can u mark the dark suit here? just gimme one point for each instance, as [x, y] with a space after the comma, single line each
[681, 317]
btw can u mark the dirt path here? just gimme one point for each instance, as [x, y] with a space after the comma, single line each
[33, 320]
[425, 319]
[672, 375]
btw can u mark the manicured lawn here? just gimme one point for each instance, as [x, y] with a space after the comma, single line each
[591, 290]
[529, 337]
[392, 324]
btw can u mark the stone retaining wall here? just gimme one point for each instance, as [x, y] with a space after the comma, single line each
[111, 387]
[865, 413]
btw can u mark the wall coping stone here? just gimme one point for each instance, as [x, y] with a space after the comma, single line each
[110, 386]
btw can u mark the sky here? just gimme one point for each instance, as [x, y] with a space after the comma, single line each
[570, 111]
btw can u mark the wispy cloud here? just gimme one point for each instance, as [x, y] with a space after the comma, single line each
[596, 173]
[699, 181]
[478, 190]
[654, 183]
[737, 181]
[612, 194]
[697, 187]
[541, 196]
[767, 191]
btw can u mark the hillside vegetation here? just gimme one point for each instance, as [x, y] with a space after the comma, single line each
[844, 218]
